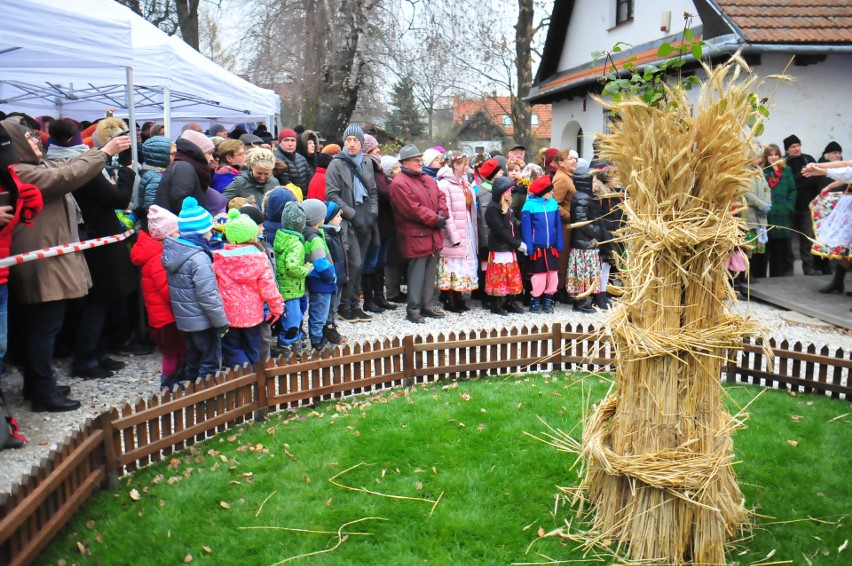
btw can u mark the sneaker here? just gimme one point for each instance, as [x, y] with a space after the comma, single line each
[535, 305]
[111, 364]
[547, 304]
[360, 316]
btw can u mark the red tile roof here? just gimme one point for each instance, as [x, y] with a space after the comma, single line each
[496, 107]
[791, 21]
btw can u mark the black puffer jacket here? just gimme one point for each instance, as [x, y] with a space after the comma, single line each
[297, 171]
[502, 234]
[584, 207]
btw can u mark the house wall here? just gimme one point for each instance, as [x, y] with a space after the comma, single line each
[592, 27]
[814, 107]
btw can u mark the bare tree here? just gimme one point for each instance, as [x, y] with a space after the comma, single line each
[211, 41]
[170, 16]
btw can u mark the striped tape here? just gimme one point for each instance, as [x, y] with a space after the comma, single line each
[64, 249]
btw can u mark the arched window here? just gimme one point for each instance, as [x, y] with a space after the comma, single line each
[579, 144]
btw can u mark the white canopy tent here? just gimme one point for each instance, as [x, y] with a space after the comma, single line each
[80, 59]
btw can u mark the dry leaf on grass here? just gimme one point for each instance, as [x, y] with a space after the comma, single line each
[224, 505]
[207, 549]
[187, 559]
[90, 524]
[843, 546]
[134, 495]
[792, 443]
[795, 418]
[81, 548]
[465, 396]
[418, 486]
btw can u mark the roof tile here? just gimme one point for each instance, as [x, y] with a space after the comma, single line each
[792, 21]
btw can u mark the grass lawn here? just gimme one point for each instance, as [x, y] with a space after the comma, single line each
[462, 446]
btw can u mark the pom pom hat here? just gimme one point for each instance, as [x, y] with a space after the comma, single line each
[240, 228]
[193, 220]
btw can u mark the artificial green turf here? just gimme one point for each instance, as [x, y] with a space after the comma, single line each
[465, 444]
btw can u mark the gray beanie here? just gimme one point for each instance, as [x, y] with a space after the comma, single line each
[293, 217]
[388, 162]
[314, 211]
[354, 130]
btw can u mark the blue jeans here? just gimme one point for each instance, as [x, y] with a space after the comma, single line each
[4, 324]
[291, 319]
[318, 307]
[241, 345]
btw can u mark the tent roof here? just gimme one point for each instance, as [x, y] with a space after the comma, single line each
[83, 73]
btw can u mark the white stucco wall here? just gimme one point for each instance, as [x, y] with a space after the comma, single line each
[591, 28]
[815, 107]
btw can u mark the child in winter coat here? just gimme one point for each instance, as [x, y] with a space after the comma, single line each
[541, 228]
[156, 156]
[502, 275]
[193, 291]
[246, 283]
[291, 271]
[321, 281]
[331, 229]
[147, 253]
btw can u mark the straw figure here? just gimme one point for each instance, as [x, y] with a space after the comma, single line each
[658, 452]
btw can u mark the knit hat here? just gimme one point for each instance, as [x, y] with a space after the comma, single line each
[193, 220]
[331, 210]
[549, 158]
[541, 186]
[489, 168]
[331, 149]
[582, 167]
[287, 133]
[240, 228]
[429, 156]
[293, 217]
[370, 143]
[197, 138]
[323, 160]
[314, 211]
[354, 130]
[790, 140]
[388, 162]
[161, 222]
[252, 212]
[832, 147]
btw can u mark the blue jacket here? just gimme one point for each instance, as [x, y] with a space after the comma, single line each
[273, 206]
[322, 279]
[541, 226]
[156, 157]
[334, 241]
[193, 289]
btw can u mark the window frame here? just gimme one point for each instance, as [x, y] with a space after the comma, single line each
[630, 10]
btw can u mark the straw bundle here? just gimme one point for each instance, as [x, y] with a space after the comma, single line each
[659, 450]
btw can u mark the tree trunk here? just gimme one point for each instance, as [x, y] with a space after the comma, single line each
[521, 116]
[343, 68]
[188, 21]
[313, 84]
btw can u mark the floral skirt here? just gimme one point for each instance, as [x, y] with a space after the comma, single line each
[832, 218]
[753, 245]
[502, 279]
[460, 273]
[584, 271]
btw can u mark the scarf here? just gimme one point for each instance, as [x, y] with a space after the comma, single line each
[200, 242]
[775, 173]
[201, 169]
[359, 191]
[72, 209]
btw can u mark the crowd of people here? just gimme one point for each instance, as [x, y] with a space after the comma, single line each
[252, 246]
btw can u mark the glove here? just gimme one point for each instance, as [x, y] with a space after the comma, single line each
[29, 202]
[222, 330]
[767, 208]
[272, 318]
[523, 248]
[442, 221]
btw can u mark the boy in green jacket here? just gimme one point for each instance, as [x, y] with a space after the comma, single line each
[290, 272]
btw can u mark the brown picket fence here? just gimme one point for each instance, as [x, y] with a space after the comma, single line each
[121, 441]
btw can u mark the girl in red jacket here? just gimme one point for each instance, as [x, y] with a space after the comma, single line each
[147, 253]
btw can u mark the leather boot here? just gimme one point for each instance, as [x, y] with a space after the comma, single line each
[460, 301]
[497, 306]
[452, 303]
[584, 305]
[512, 307]
[367, 289]
[602, 301]
[836, 285]
[379, 291]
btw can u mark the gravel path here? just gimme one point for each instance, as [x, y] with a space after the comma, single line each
[140, 379]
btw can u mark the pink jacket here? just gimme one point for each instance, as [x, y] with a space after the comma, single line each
[456, 233]
[246, 282]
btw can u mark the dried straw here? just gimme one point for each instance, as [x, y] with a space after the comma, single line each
[658, 452]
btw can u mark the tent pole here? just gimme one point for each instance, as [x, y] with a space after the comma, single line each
[167, 111]
[130, 102]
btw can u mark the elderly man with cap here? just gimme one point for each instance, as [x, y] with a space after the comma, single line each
[297, 170]
[420, 211]
[517, 152]
[806, 190]
[350, 184]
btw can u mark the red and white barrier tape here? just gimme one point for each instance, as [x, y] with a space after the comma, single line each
[64, 249]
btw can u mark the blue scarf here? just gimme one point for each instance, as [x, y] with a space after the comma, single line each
[358, 189]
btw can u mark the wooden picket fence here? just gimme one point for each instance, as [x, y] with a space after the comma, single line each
[121, 441]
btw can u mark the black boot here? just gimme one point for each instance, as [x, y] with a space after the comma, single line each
[497, 306]
[584, 305]
[367, 289]
[836, 285]
[452, 303]
[512, 307]
[460, 301]
[379, 291]
[601, 300]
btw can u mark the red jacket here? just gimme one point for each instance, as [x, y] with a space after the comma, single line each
[416, 202]
[316, 188]
[147, 253]
[26, 198]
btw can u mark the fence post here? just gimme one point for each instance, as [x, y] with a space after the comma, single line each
[261, 402]
[408, 360]
[556, 347]
[110, 481]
